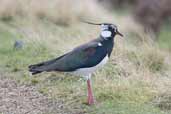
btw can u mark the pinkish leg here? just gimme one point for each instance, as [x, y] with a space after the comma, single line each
[90, 93]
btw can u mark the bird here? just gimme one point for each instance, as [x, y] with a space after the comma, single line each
[85, 59]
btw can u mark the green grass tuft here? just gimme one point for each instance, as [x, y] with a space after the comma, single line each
[164, 40]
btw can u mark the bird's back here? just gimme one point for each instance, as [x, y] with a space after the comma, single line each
[84, 56]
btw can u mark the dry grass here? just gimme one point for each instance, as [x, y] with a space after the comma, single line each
[137, 73]
[63, 12]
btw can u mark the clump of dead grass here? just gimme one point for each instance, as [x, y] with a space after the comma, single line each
[148, 57]
[9, 9]
[154, 60]
[163, 101]
[61, 12]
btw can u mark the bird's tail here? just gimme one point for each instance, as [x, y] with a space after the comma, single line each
[41, 67]
[35, 69]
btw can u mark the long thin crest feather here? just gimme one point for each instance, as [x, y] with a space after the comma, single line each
[91, 23]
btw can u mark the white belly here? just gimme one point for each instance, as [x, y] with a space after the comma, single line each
[88, 71]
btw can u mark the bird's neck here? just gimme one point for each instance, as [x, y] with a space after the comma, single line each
[107, 43]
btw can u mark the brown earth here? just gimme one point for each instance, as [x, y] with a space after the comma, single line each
[25, 99]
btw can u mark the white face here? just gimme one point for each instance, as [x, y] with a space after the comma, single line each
[105, 32]
[109, 30]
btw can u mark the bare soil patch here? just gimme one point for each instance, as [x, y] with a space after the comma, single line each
[25, 99]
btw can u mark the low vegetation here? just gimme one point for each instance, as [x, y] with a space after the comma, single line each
[135, 81]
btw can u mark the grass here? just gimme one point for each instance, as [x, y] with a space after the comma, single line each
[164, 37]
[122, 93]
[134, 78]
[126, 108]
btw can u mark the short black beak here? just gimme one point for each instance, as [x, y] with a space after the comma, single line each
[120, 34]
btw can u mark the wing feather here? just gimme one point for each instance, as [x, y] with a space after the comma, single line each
[84, 56]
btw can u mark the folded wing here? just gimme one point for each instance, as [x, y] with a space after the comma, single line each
[81, 57]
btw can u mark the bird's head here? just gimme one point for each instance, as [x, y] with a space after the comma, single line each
[108, 30]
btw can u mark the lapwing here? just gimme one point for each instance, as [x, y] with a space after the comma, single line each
[85, 59]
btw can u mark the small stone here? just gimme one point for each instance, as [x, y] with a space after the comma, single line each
[18, 44]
